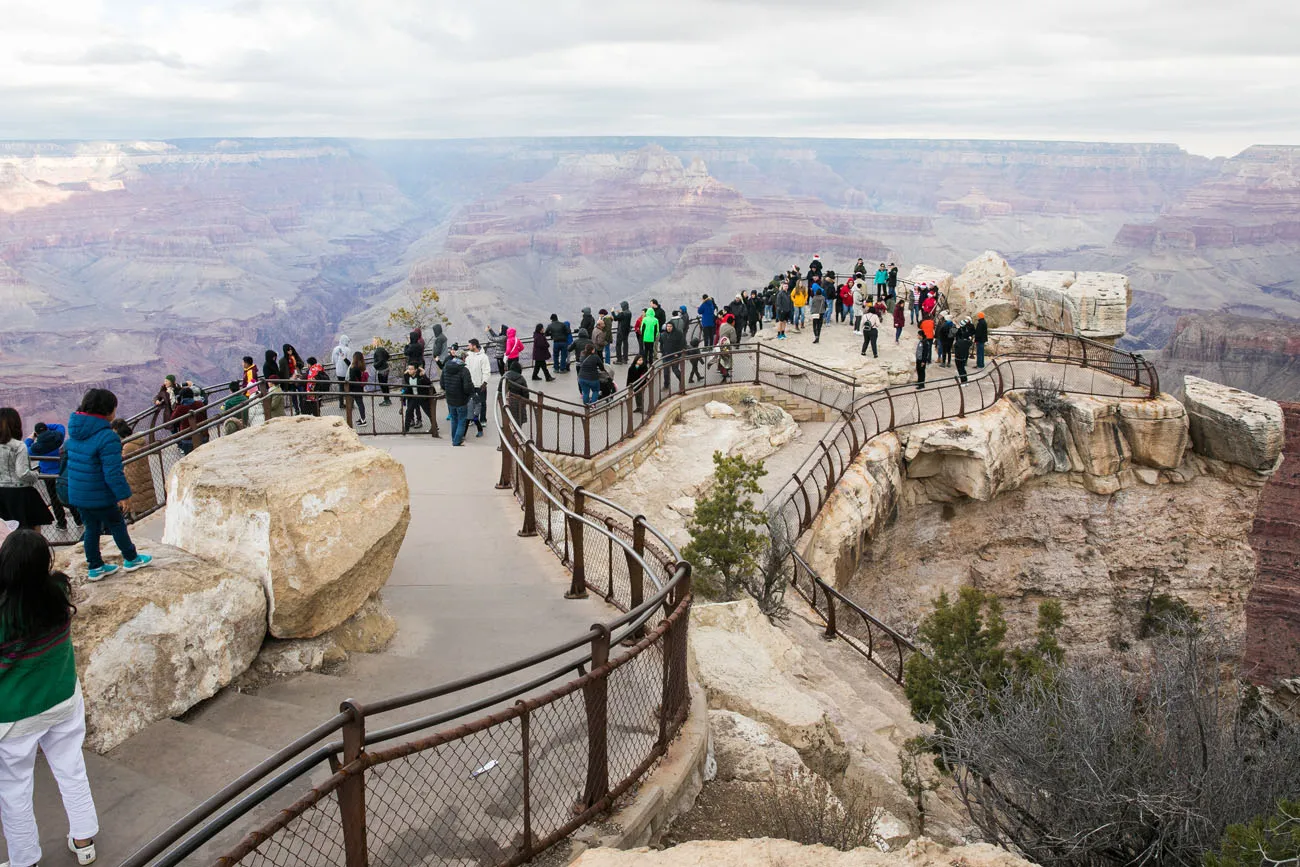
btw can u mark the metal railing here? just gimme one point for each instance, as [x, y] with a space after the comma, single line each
[614, 699]
[1073, 364]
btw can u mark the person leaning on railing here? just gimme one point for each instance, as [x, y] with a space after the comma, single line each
[19, 499]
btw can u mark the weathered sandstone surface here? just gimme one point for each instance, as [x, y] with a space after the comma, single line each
[742, 662]
[1101, 505]
[986, 285]
[303, 506]
[152, 644]
[935, 276]
[1091, 303]
[1273, 606]
[370, 630]
[784, 853]
[1232, 425]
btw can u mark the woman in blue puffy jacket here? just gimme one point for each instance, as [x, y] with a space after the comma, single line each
[97, 485]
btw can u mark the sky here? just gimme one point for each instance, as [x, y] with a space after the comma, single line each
[1210, 76]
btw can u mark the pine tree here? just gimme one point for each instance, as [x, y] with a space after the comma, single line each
[727, 530]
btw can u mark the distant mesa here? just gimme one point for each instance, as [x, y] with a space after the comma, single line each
[975, 206]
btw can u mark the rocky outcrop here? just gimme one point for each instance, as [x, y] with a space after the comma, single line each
[303, 506]
[748, 751]
[370, 630]
[784, 853]
[933, 276]
[1091, 303]
[1232, 425]
[1273, 607]
[744, 664]
[152, 644]
[1261, 356]
[986, 285]
[1100, 504]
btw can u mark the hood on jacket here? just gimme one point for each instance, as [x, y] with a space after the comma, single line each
[622, 305]
[586, 310]
[48, 441]
[437, 330]
[343, 340]
[83, 426]
[583, 335]
[511, 334]
[415, 337]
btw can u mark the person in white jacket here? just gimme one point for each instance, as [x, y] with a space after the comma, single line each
[342, 358]
[480, 368]
[859, 304]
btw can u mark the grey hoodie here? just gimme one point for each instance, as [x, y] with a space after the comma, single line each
[439, 344]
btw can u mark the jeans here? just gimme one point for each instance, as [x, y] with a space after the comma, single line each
[97, 521]
[359, 406]
[413, 414]
[61, 744]
[57, 506]
[817, 328]
[710, 334]
[979, 354]
[590, 390]
[798, 316]
[560, 358]
[459, 423]
[898, 333]
[607, 348]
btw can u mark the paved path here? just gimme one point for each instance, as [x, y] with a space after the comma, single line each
[468, 595]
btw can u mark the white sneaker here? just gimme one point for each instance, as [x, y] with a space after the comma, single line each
[85, 854]
[361, 422]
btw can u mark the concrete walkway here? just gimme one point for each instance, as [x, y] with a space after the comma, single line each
[468, 595]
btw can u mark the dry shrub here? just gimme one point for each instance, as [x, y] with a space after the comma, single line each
[802, 806]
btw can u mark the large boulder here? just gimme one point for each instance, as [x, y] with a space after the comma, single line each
[1091, 303]
[152, 644]
[786, 853]
[932, 275]
[986, 285]
[978, 456]
[1233, 426]
[747, 665]
[301, 504]
[1156, 431]
[748, 751]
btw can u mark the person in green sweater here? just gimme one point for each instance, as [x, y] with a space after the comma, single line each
[40, 700]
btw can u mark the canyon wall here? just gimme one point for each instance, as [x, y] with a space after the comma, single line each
[1273, 606]
[1102, 504]
[1258, 355]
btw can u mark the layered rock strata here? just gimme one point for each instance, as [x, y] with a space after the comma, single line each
[1232, 425]
[303, 506]
[1100, 504]
[1273, 606]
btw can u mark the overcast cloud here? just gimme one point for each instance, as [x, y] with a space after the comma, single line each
[1212, 76]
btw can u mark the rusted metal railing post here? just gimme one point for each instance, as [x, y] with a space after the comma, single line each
[635, 572]
[530, 496]
[347, 402]
[961, 400]
[586, 433]
[595, 699]
[541, 422]
[577, 528]
[830, 468]
[1083, 349]
[352, 792]
[758, 354]
[890, 397]
[507, 465]
[830, 632]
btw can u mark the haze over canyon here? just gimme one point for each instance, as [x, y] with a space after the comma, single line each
[120, 262]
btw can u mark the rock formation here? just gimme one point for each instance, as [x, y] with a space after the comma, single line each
[1101, 505]
[986, 285]
[1261, 356]
[784, 853]
[1090, 303]
[302, 505]
[152, 644]
[742, 663]
[1232, 425]
[1273, 607]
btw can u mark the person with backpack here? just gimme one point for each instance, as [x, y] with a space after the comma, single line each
[439, 352]
[480, 371]
[783, 307]
[981, 338]
[358, 376]
[19, 499]
[673, 345]
[589, 369]
[41, 705]
[624, 319]
[46, 441]
[380, 359]
[870, 333]
[945, 333]
[541, 354]
[458, 388]
[97, 485]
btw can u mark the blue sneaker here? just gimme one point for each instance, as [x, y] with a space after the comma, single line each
[141, 561]
[100, 573]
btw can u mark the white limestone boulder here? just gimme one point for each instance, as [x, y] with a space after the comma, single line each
[986, 285]
[718, 409]
[1090, 303]
[1233, 426]
[748, 751]
[302, 505]
[747, 665]
[152, 644]
[978, 456]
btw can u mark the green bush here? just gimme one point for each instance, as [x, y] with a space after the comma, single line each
[1266, 841]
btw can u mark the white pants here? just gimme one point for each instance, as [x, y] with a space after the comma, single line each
[61, 744]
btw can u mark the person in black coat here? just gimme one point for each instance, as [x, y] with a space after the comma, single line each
[636, 371]
[981, 338]
[961, 352]
[587, 323]
[416, 388]
[414, 350]
[458, 388]
[624, 319]
[672, 343]
[271, 365]
[754, 306]
[541, 354]
[517, 392]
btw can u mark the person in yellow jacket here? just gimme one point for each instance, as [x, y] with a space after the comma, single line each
[800, 298]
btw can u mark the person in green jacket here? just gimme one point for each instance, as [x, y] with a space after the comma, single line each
[40, 700]
[650, 325]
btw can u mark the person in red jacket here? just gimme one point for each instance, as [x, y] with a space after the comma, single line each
[900, 319]
[845, 310]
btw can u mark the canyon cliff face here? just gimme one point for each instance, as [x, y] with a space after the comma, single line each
[1273, 606]
[1261, 356]
[1102, 506]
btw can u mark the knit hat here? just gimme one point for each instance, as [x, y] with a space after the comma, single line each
[979, 315]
